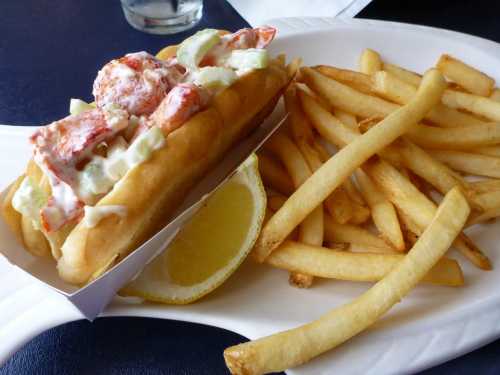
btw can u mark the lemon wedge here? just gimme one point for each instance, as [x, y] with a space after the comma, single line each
[210, 247]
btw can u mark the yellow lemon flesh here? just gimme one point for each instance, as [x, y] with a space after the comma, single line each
[211, 246]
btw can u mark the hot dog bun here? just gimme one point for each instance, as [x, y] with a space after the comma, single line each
[152, 190]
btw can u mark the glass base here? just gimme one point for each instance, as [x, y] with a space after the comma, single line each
[156, 25]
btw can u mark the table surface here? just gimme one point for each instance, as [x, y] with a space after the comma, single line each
[49, 52]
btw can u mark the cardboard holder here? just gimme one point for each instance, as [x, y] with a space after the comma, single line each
[92, 298]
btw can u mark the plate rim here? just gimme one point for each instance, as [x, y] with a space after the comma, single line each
[290, 27]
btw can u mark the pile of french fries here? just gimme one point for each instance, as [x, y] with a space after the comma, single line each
[374, 177]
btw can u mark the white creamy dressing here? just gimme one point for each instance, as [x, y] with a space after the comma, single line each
[64, 203]
[116, 118]
[222, 50]
[29, 199]
[214, 77]
[101, 174]
[173, 105]
[128, 89]
[93, 215]
[138, 91]
[123, 72]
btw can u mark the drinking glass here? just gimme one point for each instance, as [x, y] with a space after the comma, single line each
[162, 16]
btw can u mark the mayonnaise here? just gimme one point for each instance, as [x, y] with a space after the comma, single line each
[100, 174]
[136, 84]
[29, 199]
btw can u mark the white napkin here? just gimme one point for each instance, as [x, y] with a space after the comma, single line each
[256, 12]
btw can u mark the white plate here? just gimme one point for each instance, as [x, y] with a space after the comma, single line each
[432, 325]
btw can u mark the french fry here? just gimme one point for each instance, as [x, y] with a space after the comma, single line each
[327, 125]
[405, 75]
[456, 87]
[281, 59]
[410, 237]
[354, 235]
[302, 87]
[355, 248]
[274, 175]
[424, 165]
[337, 203]
[481, 217]
[368, 123]
[360, 214]
[487, 150]
[345, 265]
[484, 186]
[465, 245]
[361, 82]
[391, 88]
[382, 211]
[465, 75]
[311, 229]
[331, 174]
[495, 95]
[347, 98]
[299, 345]
[459, 138]
[476, 164]
[369, 62]
[478, 105]
[416, 159]
[353, 192]
[339, 233]
[488, 200]
[406, 173]
[339, 246]
[348, 185]
[414, 204]
[340, 207]
[401, 151]
[301, 130]
[410, 230]
[294, 67]
[273, 202]
[401, 192]
[346, 118]
[420, 183]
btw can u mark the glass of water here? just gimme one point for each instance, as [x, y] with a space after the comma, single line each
[162, 16]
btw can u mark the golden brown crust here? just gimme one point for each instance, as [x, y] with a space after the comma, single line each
[34, 240]
[144, 191]
[31, 235]
[30, 238]
[10, 215]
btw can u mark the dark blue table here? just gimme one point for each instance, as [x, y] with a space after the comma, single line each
[49, 52]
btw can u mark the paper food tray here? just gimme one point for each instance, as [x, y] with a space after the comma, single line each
[92, 298]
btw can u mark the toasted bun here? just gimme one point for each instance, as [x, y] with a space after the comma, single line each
[154, 189]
